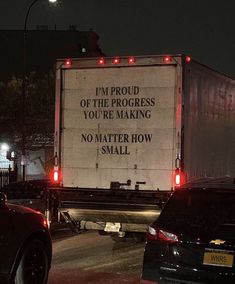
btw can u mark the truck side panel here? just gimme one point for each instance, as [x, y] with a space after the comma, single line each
[118, 124]
[209, 123]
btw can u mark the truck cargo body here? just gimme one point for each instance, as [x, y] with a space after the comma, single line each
[137, 125]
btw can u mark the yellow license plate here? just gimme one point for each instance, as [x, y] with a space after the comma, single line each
[218, 258]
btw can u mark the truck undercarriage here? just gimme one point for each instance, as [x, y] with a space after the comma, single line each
[111, 211]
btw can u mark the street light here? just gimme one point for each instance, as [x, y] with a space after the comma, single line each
[24, 86]
[4, 147]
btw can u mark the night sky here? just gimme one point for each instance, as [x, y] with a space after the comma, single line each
[203, 29]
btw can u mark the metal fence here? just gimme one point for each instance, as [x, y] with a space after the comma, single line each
[7, 176]
[4, 177]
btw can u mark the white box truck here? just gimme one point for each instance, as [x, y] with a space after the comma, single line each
[129, 130]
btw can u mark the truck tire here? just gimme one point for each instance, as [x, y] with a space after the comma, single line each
[33, 265]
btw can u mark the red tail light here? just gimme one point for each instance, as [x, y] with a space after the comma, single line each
[56, 176]
[158, 234]
[178, 178]
[45, 223]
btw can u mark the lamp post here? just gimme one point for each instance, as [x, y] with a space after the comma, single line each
[24, 87]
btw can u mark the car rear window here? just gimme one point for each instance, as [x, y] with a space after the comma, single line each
[199, 209]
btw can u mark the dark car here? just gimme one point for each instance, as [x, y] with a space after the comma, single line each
[30, 193]
[193, 240]
[25, 245]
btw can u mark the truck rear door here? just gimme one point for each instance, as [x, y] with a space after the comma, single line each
[118, 123]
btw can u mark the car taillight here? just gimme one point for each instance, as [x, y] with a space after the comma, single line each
[45, 223]
[151, 234]
[167, 236]
[158, 234]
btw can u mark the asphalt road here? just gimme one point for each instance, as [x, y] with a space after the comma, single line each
[91, 258]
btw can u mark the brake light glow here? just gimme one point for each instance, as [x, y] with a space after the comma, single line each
[68, 62]
[101, 61]
[167, 236]
[56, 176]
[158, 234]
[131, 60]
[177, 179]
[167, 59]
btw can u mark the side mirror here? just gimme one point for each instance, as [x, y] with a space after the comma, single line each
[3, 199]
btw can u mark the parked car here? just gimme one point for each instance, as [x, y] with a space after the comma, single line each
[25, 245]
[30, 193]
[193, 240]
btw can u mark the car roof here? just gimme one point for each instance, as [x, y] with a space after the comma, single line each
[39, 182]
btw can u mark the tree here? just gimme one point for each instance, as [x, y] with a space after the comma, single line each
[39, 110]
[10, 110]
